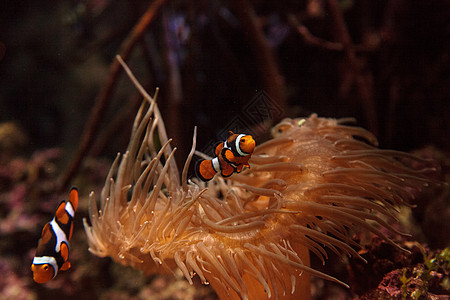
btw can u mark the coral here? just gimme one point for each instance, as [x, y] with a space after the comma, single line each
[425, 279]
[25, 183]
[311, 186]
[22, 178]
[12, 138]
[11, 285]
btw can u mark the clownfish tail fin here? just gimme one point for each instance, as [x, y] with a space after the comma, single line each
[73, 197]
[205, 169]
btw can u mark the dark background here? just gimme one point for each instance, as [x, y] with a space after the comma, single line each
[55, 58]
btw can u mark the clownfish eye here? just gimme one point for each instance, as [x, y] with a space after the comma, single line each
[46, 267]
[242, 141]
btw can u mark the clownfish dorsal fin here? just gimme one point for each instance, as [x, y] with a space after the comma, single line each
[61, 210]
[73, 198]
[230, 133]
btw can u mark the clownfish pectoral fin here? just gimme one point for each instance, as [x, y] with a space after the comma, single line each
[66, 266]
[218, 148]
[205, 170]
[239, 168]
[227, 170]
[73, 198]
[64, 251]
[65, 255]
[228, 155]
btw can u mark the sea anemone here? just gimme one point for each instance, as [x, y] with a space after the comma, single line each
[309, 188]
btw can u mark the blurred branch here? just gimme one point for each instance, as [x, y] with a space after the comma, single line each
[363, 80]
[103, 97]
[272, 81]
[389, 32]
[116, 126]
[311, 39]
[174, 90]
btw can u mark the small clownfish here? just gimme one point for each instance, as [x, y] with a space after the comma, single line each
[231, 156]
[52, 253]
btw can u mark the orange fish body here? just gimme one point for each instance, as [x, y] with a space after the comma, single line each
[232, 156]
[52, 253]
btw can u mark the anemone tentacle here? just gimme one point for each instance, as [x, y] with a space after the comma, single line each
[308, 189]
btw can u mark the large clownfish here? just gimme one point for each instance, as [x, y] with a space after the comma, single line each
[232, 155]
[52, 253]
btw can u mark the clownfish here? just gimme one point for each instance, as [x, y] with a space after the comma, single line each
[232, 155]
[52, 253]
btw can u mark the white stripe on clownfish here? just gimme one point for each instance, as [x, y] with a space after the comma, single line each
[69, 209]
[238, 147]
[59, 234]
[216, 164]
